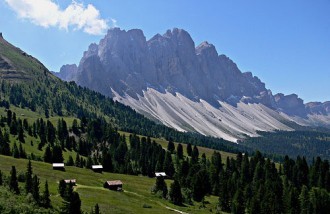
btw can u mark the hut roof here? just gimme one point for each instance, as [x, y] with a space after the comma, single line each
[58, 164]
[115, 182]
[160, 174]
[97, 167]
[70, 181]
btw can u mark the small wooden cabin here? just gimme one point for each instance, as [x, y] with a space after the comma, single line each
[160, 174]
[97, 168]
[72, 181]
[58, 166]
[116, 185]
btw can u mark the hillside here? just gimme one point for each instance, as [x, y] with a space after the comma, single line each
[33, 87]
[137, 189]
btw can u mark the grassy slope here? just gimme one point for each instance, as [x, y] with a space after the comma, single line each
[208, 152]
[33, 116]
[89, 186]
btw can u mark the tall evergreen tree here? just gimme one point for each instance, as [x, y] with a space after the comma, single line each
[48, 155]
[13, 184]
[28, 178]
[189, 149]
[62, 188]
[200, 185]
[168, 165]
[170, 146]
[35, 188]
[46, 202]
[97, 209]
[304, 200]
[179, 151]
[238, 203]
[175, 193]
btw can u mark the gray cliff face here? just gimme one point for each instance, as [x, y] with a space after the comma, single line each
[124, 61]
[67, 72]
[127, 63]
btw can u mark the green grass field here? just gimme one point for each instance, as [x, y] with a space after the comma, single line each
[90, 188]
[208, 152]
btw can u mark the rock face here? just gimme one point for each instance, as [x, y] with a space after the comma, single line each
[67, 72]
[127, 67]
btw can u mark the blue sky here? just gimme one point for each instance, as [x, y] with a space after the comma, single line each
[285, 43]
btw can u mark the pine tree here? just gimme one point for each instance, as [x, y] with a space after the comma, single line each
[304, 200]
[200, 185]
[13, 184]
[168, 165]
[15, 151]
[175, 193]
[77, 162]
[238, 203]
[45, 197]
[161, 186]
[57, 154]
[75, 203]
[97, 209]
[179, 151]
[170, 146]
[21, 134]
[189, 149]
[62, 188]
[194, 155]
[70, 161]
[28, 178]
[35, 188]
[48, 155]
[22, 153]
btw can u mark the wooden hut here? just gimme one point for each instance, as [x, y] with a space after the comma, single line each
[116, 185]
[97, 168]
[58, 166]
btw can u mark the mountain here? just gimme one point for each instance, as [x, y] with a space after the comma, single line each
[190, 88]
[27, 85]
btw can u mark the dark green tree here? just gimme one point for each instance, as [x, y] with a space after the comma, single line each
[62, 188]
[15, 151]
[28, 178]
[304, 200]
[238, 203]
[168, 165]
[189, 149]
[170, 146]
[179, 151]
[13, 184]
[70, 161]
[48, 155]
[175, 193]
[200, 185]
[35, 188]
[46, 197]
[97, 209]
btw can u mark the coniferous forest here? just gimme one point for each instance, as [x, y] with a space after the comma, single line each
[245, 184]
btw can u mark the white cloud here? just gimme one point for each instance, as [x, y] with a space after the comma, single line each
[46, 13]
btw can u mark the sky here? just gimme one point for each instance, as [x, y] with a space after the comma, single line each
[285, 43]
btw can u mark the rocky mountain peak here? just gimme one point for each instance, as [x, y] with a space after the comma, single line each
[206, 49]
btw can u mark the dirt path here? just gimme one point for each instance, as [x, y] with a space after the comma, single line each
[133, 193]
[158, 202]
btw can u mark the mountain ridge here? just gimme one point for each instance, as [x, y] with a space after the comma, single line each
[127, 67]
